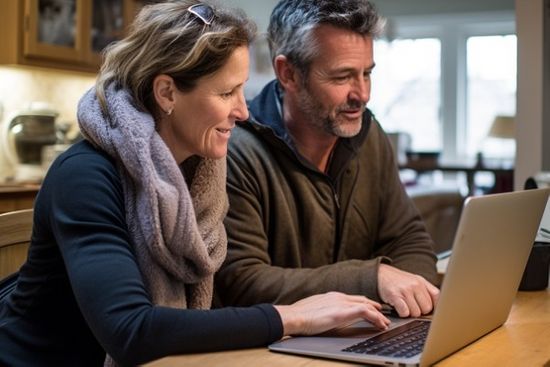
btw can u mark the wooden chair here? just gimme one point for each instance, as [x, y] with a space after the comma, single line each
[15, 237]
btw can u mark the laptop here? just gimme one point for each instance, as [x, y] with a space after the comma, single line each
[490, 250]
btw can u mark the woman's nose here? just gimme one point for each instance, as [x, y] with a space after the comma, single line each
[240, 112]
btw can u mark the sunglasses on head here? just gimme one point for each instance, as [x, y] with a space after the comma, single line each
[203, 12]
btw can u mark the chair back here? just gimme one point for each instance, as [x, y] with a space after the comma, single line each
[440, 211]
[15, 237]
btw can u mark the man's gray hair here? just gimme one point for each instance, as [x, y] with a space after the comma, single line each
[293, 22]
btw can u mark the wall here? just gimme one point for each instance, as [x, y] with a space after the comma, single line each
[260, 10]
[533, 114]
[390, 8]
[257, 10]
[19, 86]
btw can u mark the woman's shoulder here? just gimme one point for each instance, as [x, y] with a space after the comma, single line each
[83, 157]
[81, 176]
[83, 150]
[82, 165]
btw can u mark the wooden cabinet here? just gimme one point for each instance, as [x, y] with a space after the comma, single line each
[17, 197]
[62, 34]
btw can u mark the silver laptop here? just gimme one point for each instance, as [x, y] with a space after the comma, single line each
[491, 247]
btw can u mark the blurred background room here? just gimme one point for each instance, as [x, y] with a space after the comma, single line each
[462, 88]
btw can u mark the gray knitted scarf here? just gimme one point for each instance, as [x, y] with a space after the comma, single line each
[177, 231]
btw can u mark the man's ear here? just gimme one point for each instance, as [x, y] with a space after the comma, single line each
[164, 92]
[287, 74]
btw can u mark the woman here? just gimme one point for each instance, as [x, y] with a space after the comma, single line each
[128, 223]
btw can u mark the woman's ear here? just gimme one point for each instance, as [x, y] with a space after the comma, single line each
[164, 91]
[286, 73]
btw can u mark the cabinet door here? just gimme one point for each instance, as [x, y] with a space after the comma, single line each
[70, 34]
[108, 24]
[56, 29]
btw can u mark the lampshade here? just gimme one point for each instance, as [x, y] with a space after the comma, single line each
[502, 127]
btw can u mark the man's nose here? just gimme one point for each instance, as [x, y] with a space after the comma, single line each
[361, 90]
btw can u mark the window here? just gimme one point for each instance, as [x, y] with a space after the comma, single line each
[491, 91]
[405, 94]
[444, 79]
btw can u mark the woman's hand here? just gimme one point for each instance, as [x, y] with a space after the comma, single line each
[322, 312]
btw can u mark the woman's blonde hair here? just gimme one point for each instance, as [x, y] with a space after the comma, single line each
[166, 38]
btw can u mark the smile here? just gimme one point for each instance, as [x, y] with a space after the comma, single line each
[225, 133]
[353, 114]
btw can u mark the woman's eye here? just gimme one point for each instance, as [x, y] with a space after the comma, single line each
[227, 94]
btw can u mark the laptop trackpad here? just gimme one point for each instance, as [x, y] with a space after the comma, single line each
[361, 329]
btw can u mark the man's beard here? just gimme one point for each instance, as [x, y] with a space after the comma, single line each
[320, 118]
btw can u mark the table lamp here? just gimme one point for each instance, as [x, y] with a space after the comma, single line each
[500, 145]
[502, 127]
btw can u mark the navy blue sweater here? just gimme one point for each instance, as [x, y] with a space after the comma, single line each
[80, 293]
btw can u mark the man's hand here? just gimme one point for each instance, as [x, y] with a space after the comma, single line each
[410, 294]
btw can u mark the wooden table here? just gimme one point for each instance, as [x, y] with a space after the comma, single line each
[504, 177]
[524, 340]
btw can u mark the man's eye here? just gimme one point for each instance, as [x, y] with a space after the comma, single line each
[341, 78]
[227, 94]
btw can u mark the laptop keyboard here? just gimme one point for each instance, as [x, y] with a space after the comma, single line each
[404, 341]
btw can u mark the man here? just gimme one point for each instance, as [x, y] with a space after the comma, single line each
[316, 203]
